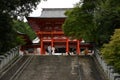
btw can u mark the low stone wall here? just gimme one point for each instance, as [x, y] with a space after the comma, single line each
[8, 56]
[109, 71]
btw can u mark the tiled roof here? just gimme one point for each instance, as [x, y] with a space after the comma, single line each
[53, 12]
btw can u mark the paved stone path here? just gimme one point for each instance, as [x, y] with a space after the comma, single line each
[61, 68]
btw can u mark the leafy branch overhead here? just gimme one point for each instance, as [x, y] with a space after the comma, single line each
[17, 8]
[11, 10]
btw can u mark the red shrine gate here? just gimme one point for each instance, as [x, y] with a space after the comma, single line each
[48, 28]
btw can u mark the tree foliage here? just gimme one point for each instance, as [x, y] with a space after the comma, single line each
[111, 51]
[17, 8]
[23, 27]
[9, 10]
[107, 18]
[79, 22]
[6, 33]
[96, 20]
[93, 20]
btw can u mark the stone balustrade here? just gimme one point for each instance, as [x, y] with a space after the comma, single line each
[8, 56]
[109, 71]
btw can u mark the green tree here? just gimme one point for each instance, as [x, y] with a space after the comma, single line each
[107, 18]
[79, 22]
[23, 27]
[6, 33]
[9, 10]
[93, 20]
[16, 8]
[96, 20]
[111, 51]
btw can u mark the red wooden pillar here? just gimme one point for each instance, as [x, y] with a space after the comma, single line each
[41, 46]
[52, 43]
[67, 46]
[78, 47]
[52, 40]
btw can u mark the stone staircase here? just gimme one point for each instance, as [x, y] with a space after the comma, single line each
[61, 68]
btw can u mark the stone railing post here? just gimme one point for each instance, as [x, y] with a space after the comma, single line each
[111, 74]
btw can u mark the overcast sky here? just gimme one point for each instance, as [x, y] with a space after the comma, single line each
[53, 4]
